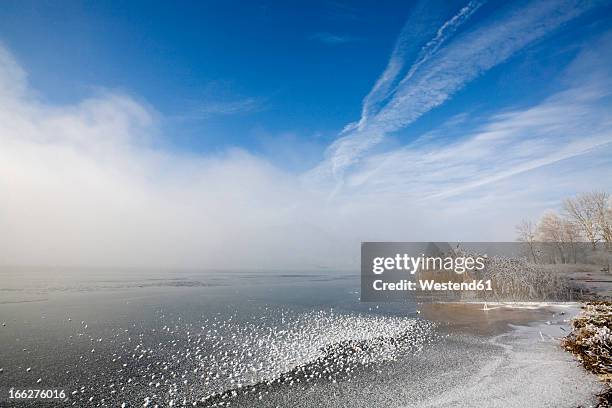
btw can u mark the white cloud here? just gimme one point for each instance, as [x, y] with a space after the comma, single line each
[82, 185]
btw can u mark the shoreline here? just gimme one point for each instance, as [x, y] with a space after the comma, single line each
[526, 332]
[487, 318]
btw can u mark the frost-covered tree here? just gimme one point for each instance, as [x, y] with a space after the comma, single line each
[526, 231]
[583, 211]
[552, 229]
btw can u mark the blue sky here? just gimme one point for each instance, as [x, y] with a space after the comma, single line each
[258, 74]
[344, 121]
[274, 68]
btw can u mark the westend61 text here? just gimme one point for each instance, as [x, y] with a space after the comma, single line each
[431, 285]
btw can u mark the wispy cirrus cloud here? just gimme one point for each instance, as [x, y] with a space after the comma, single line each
[333, 39]
[438, 70]
[566, 125]
[341, 10]
[223, 98]
[232, 107]
[421, 24]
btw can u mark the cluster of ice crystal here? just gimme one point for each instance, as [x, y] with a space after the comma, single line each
[213, 360]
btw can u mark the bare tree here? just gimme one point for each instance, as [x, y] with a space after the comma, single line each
[603, 215]
[551, 228]
[587, 217]
[582, 210]
[526, 231]
[608, 218]
[571, 234]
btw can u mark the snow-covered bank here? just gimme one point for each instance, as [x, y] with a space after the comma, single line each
[591, 342]
[531, 370]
